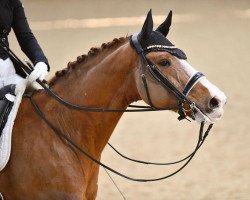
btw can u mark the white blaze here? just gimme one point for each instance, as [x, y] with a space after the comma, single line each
[213, 90]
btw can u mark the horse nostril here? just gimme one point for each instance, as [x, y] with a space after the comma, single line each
[214, 103]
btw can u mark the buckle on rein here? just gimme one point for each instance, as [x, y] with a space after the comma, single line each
[182, 111]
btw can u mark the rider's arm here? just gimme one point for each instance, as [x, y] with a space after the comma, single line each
[25, 37]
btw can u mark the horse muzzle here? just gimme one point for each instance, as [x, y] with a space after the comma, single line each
[213, 111]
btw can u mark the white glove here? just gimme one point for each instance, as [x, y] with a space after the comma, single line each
[40, 72]
[21, 86]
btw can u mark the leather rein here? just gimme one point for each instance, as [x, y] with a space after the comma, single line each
[182, 98]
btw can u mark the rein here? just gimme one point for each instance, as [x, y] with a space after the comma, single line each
[158, 76]
[201, 139]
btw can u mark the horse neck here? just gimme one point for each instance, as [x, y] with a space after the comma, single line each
[108, 84]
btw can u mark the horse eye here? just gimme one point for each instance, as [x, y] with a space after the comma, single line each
[164, 63]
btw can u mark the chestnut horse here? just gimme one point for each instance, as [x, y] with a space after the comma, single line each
[43, 166]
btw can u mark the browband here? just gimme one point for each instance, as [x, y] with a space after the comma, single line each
[161, 46]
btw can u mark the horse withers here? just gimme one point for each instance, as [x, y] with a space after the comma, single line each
[44, 166]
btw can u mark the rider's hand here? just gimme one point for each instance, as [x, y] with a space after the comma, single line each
[40, 72]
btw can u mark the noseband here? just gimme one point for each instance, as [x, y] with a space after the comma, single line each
[157, 75]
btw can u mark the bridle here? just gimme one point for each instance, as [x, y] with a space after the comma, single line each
[158, 76]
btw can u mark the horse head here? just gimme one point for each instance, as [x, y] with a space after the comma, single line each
[170, 62]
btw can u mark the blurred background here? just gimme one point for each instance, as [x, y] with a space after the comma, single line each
[215, 36]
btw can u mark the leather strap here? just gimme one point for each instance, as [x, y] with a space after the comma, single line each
[167, 84]
[144, 62]
[7, 89]
[192, 82]
[64, 136]
[136, 44]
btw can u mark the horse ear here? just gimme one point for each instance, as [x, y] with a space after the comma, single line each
[164, 27]
[147, 26]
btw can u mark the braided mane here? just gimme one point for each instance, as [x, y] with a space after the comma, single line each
[93, 52]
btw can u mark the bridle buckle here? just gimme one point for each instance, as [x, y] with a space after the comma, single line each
[182, 111]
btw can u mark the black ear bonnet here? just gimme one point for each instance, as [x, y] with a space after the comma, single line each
[156, 41]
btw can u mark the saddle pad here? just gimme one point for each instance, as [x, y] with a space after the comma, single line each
[5, 140]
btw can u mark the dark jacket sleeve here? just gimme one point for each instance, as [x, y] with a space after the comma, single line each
[25, 37]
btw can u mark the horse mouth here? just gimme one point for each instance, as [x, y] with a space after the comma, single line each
[209, 117]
